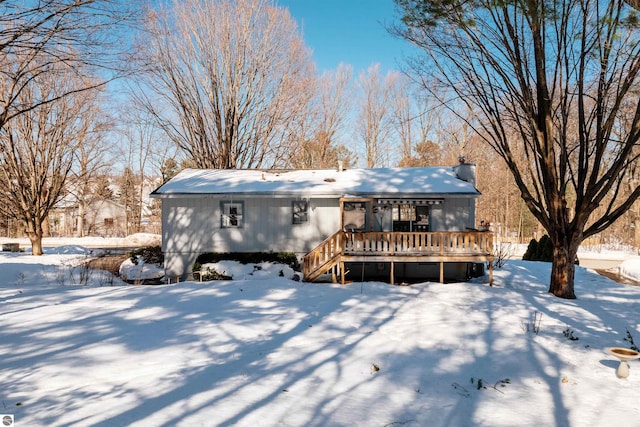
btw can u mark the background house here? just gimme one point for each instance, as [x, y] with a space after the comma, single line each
[100, 217]
[295, 211]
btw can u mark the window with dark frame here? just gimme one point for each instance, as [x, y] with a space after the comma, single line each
[422, 215]
[410, 217]
[232, 214]
[299, 211]
[404, 212]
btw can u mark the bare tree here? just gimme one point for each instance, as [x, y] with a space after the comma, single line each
[76, 36]
[37, 149]
[144, 150]
[375, 119]
[90, 162]
[128, 195]
[534, 69]
[415, 116]
[316, 140]
[403, 119]
[227, 79]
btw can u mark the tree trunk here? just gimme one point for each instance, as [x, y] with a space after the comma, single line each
[81, 214]
[36, 243]
[563, 271]
[46, 228]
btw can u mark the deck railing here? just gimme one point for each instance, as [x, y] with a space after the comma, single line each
[433, 243]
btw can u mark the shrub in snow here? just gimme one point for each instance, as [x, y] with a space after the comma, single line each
[77, 272]
[226, 270]
[501, 253]
[246, 265]
[531, 250]
[207, 274]
[539, 251]
[568, 334]
[143, 265]
[150, 255]
[287, 258]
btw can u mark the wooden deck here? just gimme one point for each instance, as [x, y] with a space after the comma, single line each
[440, 247]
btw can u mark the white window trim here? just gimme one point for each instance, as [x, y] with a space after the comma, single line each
[301, 215]
[227, 217]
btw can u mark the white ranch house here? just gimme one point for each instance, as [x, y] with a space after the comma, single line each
[391, 223]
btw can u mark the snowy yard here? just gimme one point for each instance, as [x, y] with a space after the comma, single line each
[278, 352]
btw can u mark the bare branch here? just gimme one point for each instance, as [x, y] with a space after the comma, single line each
[227, 79]
[553, 81]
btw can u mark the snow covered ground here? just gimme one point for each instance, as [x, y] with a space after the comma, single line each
[631, 268]
[277, 352]
[134, 240]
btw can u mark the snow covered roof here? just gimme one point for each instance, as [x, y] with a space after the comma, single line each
[378, 182]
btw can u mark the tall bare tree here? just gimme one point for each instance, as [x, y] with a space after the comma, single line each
[144, 150]
[129, 196]
[225, 79]
[374, 123]
[37, 148]
[559, 75]
[316, 140]
[77, 36]
[403, 118]
[416, 115]
[91, 160]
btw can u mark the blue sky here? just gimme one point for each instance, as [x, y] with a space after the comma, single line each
[349, 31]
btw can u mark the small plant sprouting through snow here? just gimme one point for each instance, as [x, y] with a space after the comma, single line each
[502, 252]
[481, 385]
[568, 334]
[534, 324]
[462, 391]
[629, 339]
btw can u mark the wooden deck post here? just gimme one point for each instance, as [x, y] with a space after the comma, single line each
[392, 272]
[491, 273]
[441, 271]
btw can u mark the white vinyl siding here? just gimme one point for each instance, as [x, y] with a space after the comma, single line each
[191, 226]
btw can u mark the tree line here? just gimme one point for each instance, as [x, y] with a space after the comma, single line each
[541, 95]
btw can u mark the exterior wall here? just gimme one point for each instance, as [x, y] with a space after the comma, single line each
[453, 215]
[98, 213]
[101, 218]
[191, 226]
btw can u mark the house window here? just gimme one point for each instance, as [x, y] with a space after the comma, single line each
[404, 213]
[300, 211]
[354, 216]
[232, 214]
[409, 217]
[108, 222]
[422, 218]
